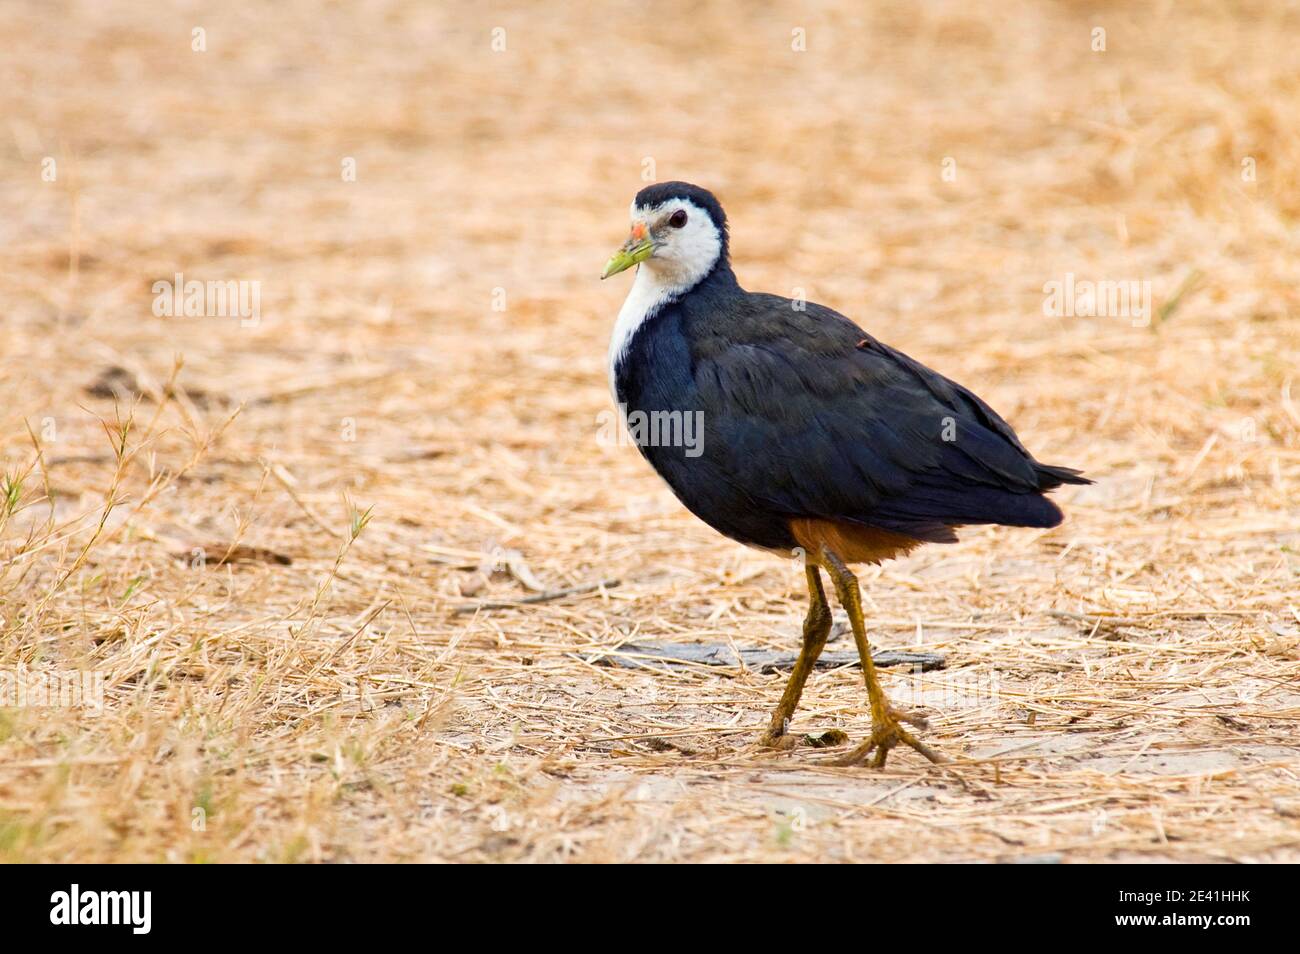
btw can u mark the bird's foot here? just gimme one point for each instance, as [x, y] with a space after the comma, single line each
[887, 732]
[777, 740]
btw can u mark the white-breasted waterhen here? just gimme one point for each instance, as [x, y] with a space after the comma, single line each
[817, 440]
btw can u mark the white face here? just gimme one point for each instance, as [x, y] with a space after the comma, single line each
[687, 243]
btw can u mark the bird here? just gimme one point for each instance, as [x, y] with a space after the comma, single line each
[815, 440]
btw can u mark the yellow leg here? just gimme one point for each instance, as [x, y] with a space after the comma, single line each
[886, 732]
[816, 629]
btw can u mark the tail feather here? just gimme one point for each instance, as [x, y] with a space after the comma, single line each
[1050, 477]
[923, 514]
[939, 507]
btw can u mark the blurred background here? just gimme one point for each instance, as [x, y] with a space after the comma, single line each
[422, 197]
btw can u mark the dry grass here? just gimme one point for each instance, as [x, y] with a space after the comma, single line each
[316, 695]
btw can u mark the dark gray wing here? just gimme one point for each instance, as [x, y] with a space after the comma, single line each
[815, 417]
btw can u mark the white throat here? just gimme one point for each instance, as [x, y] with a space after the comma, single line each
[648, 294]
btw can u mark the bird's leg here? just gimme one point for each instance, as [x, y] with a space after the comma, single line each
[816, 629]
[886, 732]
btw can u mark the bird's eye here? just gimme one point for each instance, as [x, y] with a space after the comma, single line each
[677, 219]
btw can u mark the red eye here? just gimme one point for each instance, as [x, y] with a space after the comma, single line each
[677, 219]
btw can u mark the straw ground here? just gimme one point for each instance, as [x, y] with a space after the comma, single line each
[263, 536]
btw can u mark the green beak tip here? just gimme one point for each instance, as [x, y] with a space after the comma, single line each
[625, 258]
[617, 263]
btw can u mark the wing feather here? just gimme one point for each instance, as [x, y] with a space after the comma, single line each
[814, 417]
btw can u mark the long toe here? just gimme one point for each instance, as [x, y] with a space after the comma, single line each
[884, 737]
[856, 756]
[913, 717]
[779, 742]
[901, 735]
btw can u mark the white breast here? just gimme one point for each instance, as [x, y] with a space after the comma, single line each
[645, 298]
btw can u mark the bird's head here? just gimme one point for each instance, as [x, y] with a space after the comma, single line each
[679, 232]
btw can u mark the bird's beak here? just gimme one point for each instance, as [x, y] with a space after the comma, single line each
[639, 246]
